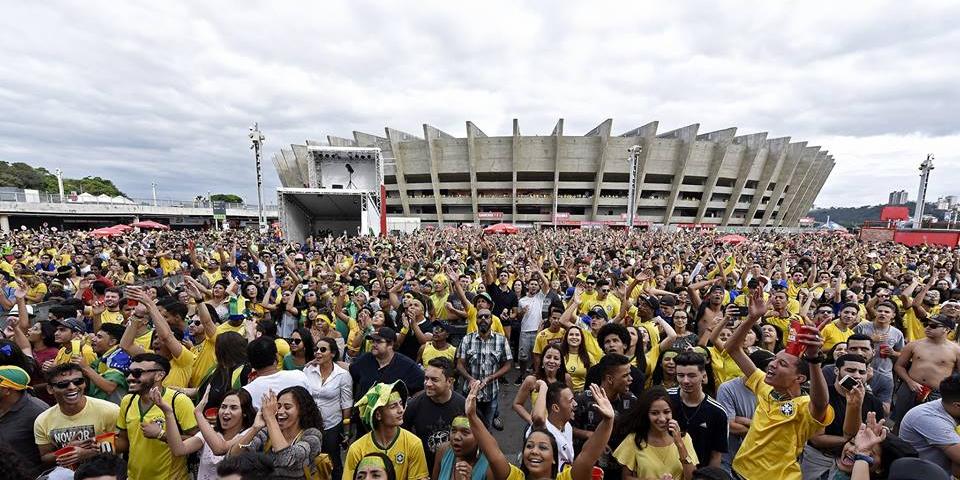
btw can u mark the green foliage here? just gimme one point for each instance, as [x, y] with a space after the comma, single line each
[855, 216]
[225, 197]
[21, 175]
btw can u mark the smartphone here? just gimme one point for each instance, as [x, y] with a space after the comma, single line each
[743, 311]
[848, 382]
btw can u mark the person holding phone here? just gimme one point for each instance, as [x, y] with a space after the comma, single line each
[852, 402]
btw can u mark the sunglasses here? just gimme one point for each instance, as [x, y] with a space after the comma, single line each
[137, 372]
[195, 323]
[294, 341]
[66, 383]
[825, 312]
[485, 315]
[323, 349]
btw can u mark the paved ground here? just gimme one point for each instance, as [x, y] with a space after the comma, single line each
[511, 438]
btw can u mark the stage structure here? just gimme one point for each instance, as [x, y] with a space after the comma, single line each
[342, 192]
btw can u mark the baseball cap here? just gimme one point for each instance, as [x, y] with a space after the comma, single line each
[651, 301]
[944, 321]
[668, 301]
[486, 296]
[441, 325]
[15, 311]
[384, 333]
[597, 311]
[916, 469]
[71, 323]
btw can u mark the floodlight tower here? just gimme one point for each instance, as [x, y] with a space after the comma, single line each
[925, 168]
[632, 192]
[257, 138]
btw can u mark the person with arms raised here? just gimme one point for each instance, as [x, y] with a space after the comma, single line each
[785, 418]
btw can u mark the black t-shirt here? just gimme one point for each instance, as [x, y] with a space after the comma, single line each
[502, 300]
[706, 423]
[431, 421]
[839, 403]
[411, 346]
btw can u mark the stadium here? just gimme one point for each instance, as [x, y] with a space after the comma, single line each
[683, 177]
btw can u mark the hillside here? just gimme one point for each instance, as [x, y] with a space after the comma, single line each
[21, 175]
[855, 216]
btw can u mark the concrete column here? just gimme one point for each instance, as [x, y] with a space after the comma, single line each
[776, 153]
[811, 194]
[815, 167]
[602, 131]
[794, 184]
[754, 148]
[431, 134]
[794, 153]
[643, 136]
[395, 137]
[472, 133]
[5, 223]
[722, 140]
[687, 136]
[514, 159]
[557, 153]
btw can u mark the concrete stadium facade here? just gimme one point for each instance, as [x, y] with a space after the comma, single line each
[684, 177]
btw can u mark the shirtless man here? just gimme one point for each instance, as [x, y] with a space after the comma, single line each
[931, 359]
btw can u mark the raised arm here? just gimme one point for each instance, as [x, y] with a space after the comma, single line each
[757, 309]
[159, 323]
[488, 445]
[597, 443]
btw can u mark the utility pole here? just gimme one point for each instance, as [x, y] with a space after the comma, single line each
[60, 183]
[257, 138]
[925, 168]
[153, 186]
[632, 192]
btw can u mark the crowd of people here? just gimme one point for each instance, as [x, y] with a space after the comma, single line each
[634, 354]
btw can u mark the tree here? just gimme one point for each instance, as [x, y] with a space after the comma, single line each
[226, 198]
[21, 175]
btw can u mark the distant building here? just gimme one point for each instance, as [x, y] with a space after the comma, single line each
[947, 203]
[898, 198]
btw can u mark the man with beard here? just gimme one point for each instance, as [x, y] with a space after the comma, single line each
[615, 380]
[381, 411]
[484, 357]
[108, 311]
[165, 342]
[429, 414]
[74, 421]
[142, 433]
[382, 364]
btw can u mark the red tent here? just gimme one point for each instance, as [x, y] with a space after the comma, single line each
[106, 232]
[732, 238]
[121, 227]
[150, 224]
[504, 228]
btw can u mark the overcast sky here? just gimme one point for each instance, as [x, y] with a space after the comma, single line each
[164, 91]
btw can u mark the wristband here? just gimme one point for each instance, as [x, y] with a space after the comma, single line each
[862, 457]
[346, 421]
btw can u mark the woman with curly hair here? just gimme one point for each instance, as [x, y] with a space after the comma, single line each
[288, 430]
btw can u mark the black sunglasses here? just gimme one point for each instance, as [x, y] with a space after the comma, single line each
[66, 383]
[323, 349]
[196, 323]
[136, 372]
[294, 341]
[484, 315]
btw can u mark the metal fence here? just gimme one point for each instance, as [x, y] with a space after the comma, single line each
[22, 197]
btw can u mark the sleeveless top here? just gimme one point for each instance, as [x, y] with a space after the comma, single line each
[449, 460]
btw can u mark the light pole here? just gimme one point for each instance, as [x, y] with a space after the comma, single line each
[257, 138]
[632, 193]
[153, 187]
[925, 168]
[60, 183]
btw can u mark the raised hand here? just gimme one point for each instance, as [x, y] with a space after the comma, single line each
[602, 406]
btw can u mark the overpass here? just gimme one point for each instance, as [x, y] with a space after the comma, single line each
[35, 211]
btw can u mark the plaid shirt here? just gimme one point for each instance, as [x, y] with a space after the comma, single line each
[482, 358]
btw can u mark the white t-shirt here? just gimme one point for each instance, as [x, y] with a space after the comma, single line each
[564, 439]
[276, 382]
[534, 316]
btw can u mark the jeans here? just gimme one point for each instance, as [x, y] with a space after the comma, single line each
[486, 411]
[331, 446]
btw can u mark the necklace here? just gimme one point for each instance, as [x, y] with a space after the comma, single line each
[683, 410]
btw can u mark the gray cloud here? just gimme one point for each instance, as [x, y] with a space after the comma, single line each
[164, 92]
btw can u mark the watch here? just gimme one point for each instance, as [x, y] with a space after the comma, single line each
[686, 460]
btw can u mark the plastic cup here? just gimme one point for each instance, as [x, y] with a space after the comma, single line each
[106, 442]
[63, 451]
[596, 473]
[211, 414]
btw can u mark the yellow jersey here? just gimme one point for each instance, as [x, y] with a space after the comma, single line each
[405, 452]
[153, 457]
[180, 370]
[778, 432]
